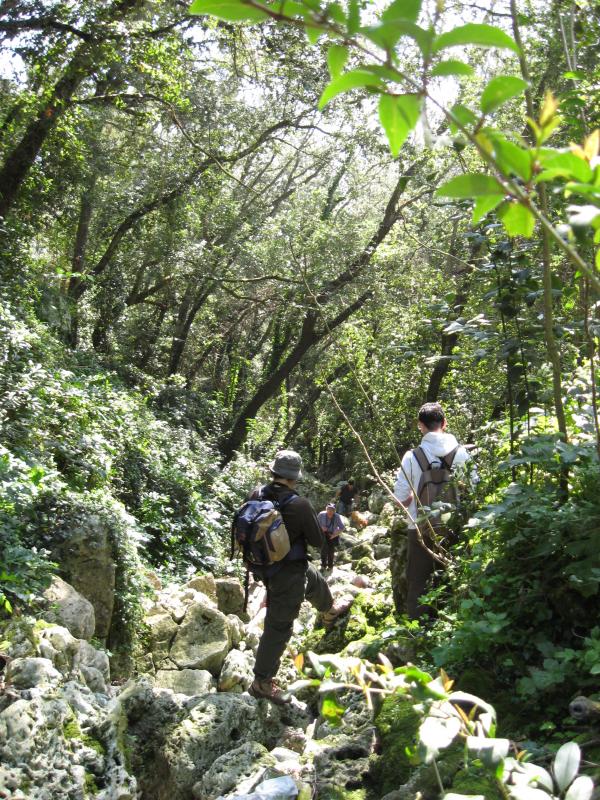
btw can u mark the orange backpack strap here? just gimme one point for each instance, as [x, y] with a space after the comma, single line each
[421, 458]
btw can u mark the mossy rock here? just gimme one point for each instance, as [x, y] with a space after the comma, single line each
[397, 725]
[476, 782]
[341, 793]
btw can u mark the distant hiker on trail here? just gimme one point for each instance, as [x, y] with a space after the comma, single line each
[291, 580]
[345, 496]
[427, 471]
[331, 525]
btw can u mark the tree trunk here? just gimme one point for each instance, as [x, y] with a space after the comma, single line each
[21, 158]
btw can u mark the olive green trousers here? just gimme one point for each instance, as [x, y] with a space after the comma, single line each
[296, 581]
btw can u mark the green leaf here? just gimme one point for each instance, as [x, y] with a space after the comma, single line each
[472, 184]
[229, 10]
[564, 165]
[517, 219]
[353, 23]
[399, 115]
[566, 765]
[331, 710]
[313, 33]
[499, 90]
[402, 9]
[452, 67]
[337, 56]
[463, 115]
[387, 34]
[475, 33]
[511, 158]
[483, 205]
[354, 79]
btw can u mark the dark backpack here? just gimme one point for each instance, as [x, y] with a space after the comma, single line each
[437, 489]
[259, 533]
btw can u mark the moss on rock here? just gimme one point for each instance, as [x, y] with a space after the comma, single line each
[397, 724]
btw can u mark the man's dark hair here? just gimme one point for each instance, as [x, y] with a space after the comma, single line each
[350, 480]
[432, 416]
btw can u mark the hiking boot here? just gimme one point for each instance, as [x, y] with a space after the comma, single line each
[268, 690]
[338, 608]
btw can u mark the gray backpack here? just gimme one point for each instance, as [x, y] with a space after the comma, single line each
[437, 487]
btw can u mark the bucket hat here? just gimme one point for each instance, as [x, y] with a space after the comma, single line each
[287, 464]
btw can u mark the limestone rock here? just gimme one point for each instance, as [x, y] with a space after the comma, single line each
[382, 551]
[362, 550]
[27, 673]
[87, 562]
[70, 608]
[230, 596]
[185, 681]
[162, 631]
[236, 674]
[202, 640]
[241, 769]
[205, 584]
[377, 500]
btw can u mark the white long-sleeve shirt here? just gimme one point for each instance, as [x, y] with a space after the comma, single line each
[436, 444]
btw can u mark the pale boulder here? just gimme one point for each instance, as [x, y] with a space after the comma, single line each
[202, 640]
[70, 608]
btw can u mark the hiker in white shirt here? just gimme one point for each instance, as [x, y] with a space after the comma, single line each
[435, 444]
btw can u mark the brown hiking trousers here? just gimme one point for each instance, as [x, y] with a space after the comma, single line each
[419, 569]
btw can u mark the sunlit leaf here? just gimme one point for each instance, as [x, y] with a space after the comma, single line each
[483, 206]
[355, 79]
[582, 788]
[386, 35]
[564, 165]
[402, 9]
[470, 185]
[353, 21]
[517, 219]
[337, 56]
[511, 158]
[499, 90]
[490, 751]
[228, 10]
[463, 116]
[475, 33]
[398, 115]
[452, 67]
[566, 765]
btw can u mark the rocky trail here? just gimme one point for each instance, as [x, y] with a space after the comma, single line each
[185, 726]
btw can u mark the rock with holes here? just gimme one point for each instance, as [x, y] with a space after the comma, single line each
[30, 673]
[176, 739]
[240, 771]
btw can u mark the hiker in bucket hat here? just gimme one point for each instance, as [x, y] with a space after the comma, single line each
[291, 580]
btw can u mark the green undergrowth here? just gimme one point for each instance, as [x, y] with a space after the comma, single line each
[81, 447]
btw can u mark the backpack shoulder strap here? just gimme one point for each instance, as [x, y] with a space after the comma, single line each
[421, 458]
[448, 459]
[286, 500]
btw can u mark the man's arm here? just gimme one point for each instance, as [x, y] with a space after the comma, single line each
[402, 488]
